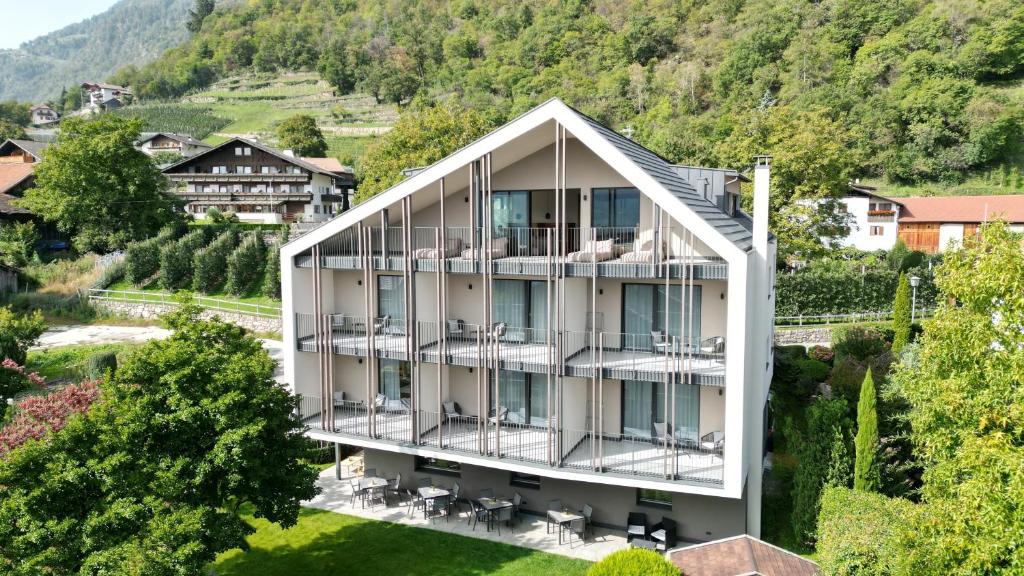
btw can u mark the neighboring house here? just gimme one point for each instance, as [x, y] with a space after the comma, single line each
[457, 324]
[741, 556]
[41, 115]
[155, 142]
[96, 95]
[925, 223]
[8, 279]
[17, 170]
[259, 184]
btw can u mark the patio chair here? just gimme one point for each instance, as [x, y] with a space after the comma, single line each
[588, 517]
[357, 492]
[593, 251]
[643, 252]
[394, 486]
[499, 329]
[660, 431]
[501, 415]
[660, 341]
[636, 526]
[479, 514]
[339, 398]
[381, 323]
[456, 499]
[714, 346]
[504, 516]
[664, 534]
[517, 502]
[578, 528]
[414, 501]
[713, 441]
[451, 409]
[377, 494]
[456, 329]
[436, 508]
[553, 506]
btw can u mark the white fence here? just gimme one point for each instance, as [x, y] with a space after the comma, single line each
[826, 319]
[165, 299]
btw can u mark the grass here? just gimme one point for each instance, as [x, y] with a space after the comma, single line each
[249, 303]
[327, 543]
[71, 360]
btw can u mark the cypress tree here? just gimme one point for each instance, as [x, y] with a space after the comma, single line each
[865, 468]
[901, 315]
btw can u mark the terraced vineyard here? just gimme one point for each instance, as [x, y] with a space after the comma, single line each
[195, 120]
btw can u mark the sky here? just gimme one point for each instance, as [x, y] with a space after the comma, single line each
[23, 20]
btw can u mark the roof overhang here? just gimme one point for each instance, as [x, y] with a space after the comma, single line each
[577, 126]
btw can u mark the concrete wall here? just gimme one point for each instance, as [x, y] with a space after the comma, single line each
[860, 229]
[700, 518]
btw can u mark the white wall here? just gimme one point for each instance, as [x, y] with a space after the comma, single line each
[950, 233]
[860, 229]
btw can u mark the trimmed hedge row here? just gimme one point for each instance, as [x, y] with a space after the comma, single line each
[857, 531]
[176, 260]
[245, 265]
[816, 292]
[142, 259]
[210, 264]
[272, 276]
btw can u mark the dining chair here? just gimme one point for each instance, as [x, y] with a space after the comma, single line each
[503, 515]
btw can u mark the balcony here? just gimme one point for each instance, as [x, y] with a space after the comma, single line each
[583, 354]
[881, 216]
[676, 459]
[602, 252]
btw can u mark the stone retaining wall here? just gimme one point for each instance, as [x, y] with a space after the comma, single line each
[151, 311]
[803, 336]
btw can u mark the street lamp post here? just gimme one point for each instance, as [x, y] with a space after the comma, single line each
[914, 283]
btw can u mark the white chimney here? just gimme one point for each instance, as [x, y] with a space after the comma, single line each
[762, 176]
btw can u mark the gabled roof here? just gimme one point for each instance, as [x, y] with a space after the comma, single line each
[32, 147]
[13, 174]
[35, 107]
[183, 138]
[292, 159]
[957, 209]
[741, 556]
[329, 164]
[654, 175]
[105, 86]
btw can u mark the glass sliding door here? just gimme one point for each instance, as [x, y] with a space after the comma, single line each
[513, 390]
[643, 405]
[638, 310]
[539, 399]
[637, 408]
[391, 298]
[616, 214]
[521, 304]
[643, 311]
[510, 218]
[395, 380]
[538, 312]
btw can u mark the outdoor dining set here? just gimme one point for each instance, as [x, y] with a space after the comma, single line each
[494, 511]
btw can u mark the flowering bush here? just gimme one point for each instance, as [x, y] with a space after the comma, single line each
[14, 379]
[37, 415]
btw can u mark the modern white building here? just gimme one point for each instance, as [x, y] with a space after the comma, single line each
[552, 310]
[152, 143]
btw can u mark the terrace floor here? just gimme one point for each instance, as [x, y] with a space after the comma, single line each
[530, 532]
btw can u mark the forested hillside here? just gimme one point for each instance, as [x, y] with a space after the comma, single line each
[912, 90]
[130, 32]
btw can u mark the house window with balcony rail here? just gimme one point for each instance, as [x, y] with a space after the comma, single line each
[391, 298]
[615, 208]
[524, 395]
[643, 312]
[643, 406]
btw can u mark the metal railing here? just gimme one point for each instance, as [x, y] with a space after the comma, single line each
[348, 334]
[308, 411]
[519, 442]
[351, 418]
[849, 318]
[641, 356]
[305, 328]
[650, 456]
[393, 421]
[170, 300]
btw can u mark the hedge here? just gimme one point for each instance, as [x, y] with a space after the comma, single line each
[814, 292]
[210, 264]
[245, 265]
[858, 531]
[634, 562]
[272, 276]
[142, 259]
[176, 260]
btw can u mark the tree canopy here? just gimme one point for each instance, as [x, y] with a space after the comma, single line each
[94, 185]
[301, 134]
[151, 480]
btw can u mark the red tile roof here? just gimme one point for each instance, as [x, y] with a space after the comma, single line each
[13, 174]
[328, 164]
[953, 209]
[741, 556]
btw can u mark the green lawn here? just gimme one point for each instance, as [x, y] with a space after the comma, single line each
[71, 360]
[152, 293]
[329, 544]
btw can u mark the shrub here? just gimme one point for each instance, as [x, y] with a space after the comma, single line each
[210, 264]
[821, 353]
[634, 562]
[860, 342]
[815, 291]
[901, 315]
[18, 333]
[813, 452]
[14, 379]
[100, 363]
[18, 243]
[245, 265]
[142, 259]
[857, 532]
[848, 374]
[272, 276]
[812, 371]
[176, 259]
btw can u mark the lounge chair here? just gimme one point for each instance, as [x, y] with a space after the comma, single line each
[642, 252]
[456, 329]
[713, 346]
[664, 534]
[339, 398]
[499, 249]
[594, 251]
[636, 526]
[713, 441]
[452, 248]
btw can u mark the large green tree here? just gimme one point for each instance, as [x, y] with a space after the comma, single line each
[865, 469]
[18, 333]
[301, 134]
[191, 431]
[901, 315]
[95, 185]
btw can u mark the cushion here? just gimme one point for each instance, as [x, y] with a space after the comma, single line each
[640, 257]
[449, 408]
[339, 397]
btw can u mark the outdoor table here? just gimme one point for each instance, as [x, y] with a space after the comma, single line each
[428, 493]
[491, 505]
[562, 518]
[371, 483]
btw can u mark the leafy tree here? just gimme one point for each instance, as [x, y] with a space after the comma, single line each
[901, 315]
[198, 14]
[151, 480]
[94, 184]
[11, 131]
[337, 66]
[18, 243]
[865, 471]
[18, 333]
[423, 136]
[301, 134]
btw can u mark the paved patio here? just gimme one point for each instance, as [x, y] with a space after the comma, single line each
[530, 532]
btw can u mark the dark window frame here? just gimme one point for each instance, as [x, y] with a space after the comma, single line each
[523, 480]
[423, 464]
[642, 501]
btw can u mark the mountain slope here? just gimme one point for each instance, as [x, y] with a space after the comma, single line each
[130, 32]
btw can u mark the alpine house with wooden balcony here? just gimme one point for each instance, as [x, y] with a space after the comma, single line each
[554, 307]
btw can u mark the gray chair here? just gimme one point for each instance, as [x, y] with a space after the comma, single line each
[553, 506]
[713, 441]
[456, 329]
[394, 486]
[578, 528]
[486, 493]
[499, 330]
[435, 508]
[659, 341]
[479, 514]
[381, 324]
[414, 501]
[503, 516]
[517, 502]
[357, 492]
[588, 518]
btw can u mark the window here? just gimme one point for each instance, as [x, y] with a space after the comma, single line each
[522, 305]
[395, 381]
[391, 298]
[880, 206]
[238, 151]
[657, 498]
[732, 202]
[438, 466]
[643, 405]
[616, 207]
[525, 396]
[877, 230]
[248, 151]
[525, 480]
[643, 310]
